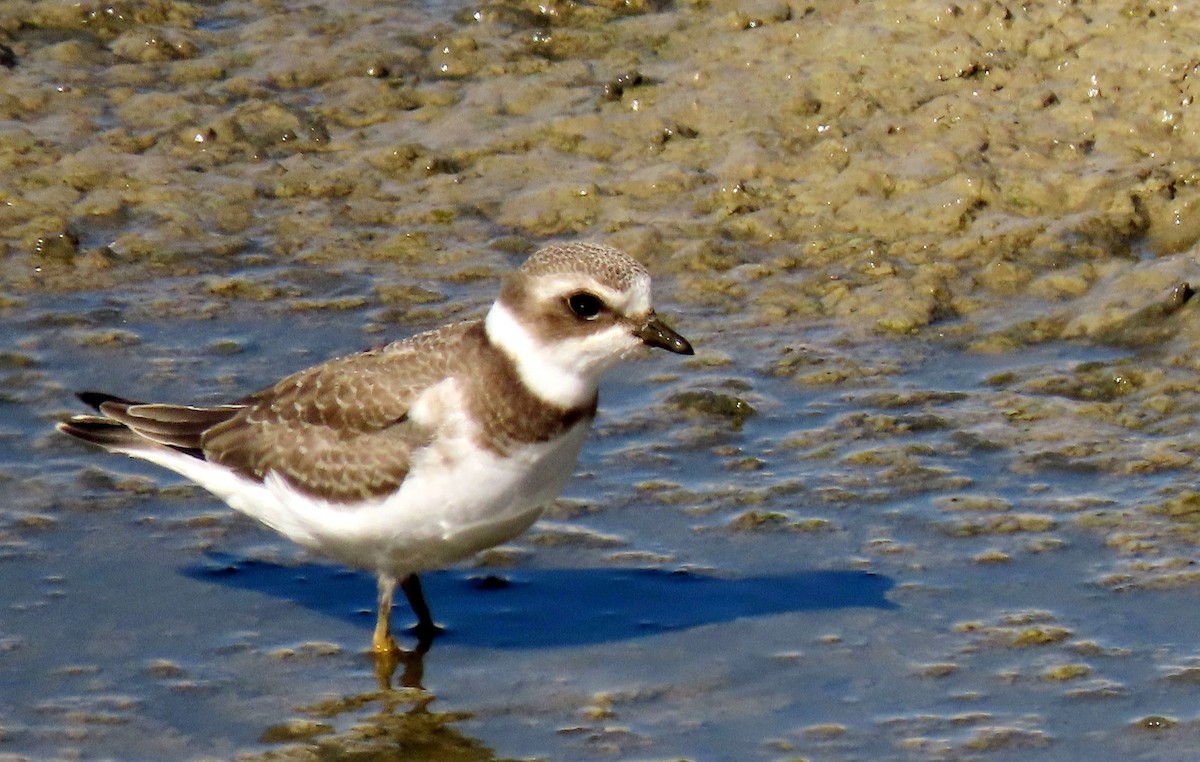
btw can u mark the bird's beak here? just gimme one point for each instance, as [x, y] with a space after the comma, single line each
[655, 333]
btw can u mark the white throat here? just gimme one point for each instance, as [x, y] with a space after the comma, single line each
[540, 367]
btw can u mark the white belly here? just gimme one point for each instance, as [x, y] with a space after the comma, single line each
[457, 499]
[445, 512]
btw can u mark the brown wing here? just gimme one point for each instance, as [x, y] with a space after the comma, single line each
[340, 429]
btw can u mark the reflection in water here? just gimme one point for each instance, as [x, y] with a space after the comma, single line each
[410, 663]
[403, 728]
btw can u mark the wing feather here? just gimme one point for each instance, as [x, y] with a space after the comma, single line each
[340, 429]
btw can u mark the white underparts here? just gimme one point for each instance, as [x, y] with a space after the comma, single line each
[458, 499]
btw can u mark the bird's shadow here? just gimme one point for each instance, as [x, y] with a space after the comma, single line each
[548, 608]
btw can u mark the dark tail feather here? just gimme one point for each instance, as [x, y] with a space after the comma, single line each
[178, 415]
[175, 426]
[101, 431]
[126, 423]
[95, 399]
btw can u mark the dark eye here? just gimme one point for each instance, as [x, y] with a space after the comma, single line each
[585, 305]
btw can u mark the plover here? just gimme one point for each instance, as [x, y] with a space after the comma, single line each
[419, 454]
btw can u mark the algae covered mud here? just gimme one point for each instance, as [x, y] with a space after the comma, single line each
[927, 491]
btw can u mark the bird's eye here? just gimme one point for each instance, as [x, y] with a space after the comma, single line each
[585, 305]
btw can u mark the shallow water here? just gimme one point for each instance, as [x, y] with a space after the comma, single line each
[927, 490]
[854, 616]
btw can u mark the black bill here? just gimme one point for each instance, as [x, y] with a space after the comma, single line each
[656, 334]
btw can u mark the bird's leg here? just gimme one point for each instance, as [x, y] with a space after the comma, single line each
[382, 641]
[425, 628]
[388, 655]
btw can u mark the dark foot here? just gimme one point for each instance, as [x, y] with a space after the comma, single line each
[425, 632]
[425, 629]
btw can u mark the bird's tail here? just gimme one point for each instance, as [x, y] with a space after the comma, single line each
[124, 425]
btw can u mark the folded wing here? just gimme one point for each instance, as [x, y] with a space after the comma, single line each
[339, 430]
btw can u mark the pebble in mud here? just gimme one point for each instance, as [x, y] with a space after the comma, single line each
[1008, 524]
[165, 669]
[308, 650]
[565, 534]
[1023, 630]
[714, 404]
[1065, 672]
[972, 503]
[761, 521]
[958, 735]
[991, 739]
[936, 670]
[992, 557]
[1155, 723]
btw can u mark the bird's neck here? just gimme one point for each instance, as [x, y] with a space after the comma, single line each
[545, 369]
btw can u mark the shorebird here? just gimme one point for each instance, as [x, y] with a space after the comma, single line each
[417, 455]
